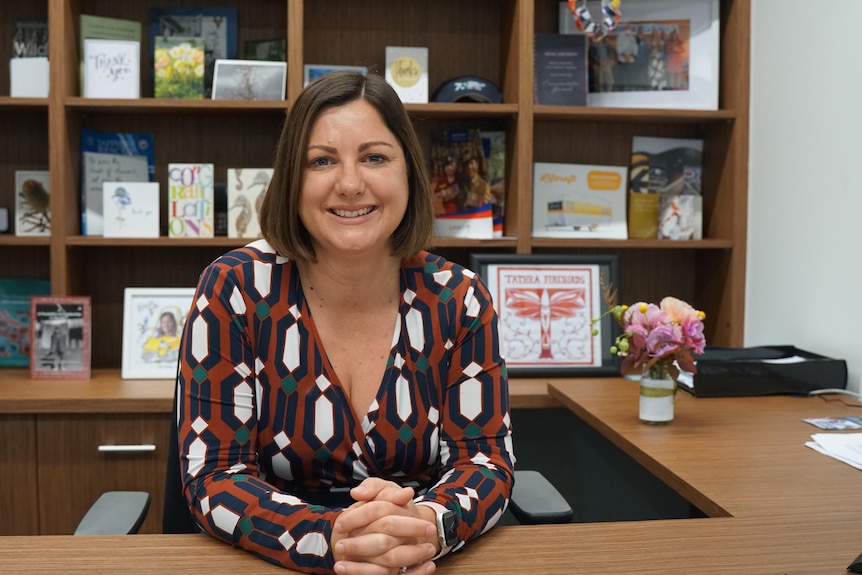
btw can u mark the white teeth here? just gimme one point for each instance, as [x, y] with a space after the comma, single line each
[352, 214]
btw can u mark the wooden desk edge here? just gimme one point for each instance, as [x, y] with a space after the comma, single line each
[107, 392]
[671, 479]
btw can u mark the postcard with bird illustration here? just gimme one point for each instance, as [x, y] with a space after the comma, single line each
[245, 190]
[131, 209]
[32, 203]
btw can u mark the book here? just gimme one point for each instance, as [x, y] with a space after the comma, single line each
[15, 318]
[215, 26]
[579, 201]
[246, 188]
[249, 80]
[220, 209]
[191, 199]
[407, 73]
[463, 200]
[112, 68]
[105, 28]
[110, 157]
[560, 70]
[178, 63]
[494, 147]
[32, 203]
[311, 72]
[663, 167]
[29, 77]
[60, 332]
[131, 209]
[271, 50]
[30, 39]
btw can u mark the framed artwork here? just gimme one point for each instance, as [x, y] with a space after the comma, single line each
[545, 304]
[314, 71]
[249, 80]
[662, 54]
[153, 320]
[60, 337]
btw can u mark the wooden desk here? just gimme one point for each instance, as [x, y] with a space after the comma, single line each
[775, 505]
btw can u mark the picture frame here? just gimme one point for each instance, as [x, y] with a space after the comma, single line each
[60, 344]
[545, 304]
[689, 37]
[313, 71]
[249, 80]
[150, 344]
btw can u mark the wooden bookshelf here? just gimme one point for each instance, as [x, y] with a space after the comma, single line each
[489, 38]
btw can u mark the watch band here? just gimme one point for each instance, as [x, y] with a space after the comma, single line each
[447, 533]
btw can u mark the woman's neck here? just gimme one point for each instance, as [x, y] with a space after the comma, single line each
[348, 283]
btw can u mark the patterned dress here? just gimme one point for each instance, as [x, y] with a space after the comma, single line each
[269, 442]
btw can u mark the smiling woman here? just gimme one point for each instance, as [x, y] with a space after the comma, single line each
[338, 383]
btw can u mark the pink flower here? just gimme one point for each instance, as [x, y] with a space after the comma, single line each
[659, 334]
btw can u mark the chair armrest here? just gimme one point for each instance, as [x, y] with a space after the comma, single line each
[535, 500]
[115, 513]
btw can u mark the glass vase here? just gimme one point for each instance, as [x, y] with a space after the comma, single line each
[658, 390]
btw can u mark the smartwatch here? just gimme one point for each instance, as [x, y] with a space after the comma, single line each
[446, 529]
[447, 534]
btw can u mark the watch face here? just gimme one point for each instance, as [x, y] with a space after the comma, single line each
[448, 523]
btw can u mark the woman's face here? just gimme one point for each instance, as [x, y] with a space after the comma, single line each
[355, 187]
[167, 324]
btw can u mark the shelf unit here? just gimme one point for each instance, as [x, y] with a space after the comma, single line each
[488, 38]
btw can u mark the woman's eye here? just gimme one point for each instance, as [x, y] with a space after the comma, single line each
[320, 162]
[375, 159]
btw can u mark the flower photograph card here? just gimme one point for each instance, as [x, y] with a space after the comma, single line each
[60, 337]
[545, 305]
[153, 320]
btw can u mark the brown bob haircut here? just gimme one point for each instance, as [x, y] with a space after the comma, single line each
[279, 221]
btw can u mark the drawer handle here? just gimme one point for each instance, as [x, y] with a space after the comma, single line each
[126, 448]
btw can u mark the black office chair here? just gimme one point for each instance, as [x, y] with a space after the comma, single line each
[534, 500]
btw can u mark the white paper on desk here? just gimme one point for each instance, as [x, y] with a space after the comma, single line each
[846, 447]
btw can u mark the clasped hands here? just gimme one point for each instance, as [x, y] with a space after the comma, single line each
[384, 532]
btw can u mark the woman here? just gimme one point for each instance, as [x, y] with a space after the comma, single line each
[343, 404]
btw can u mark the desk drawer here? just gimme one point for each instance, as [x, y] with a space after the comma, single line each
[83, 455]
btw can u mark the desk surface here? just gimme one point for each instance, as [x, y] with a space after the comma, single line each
[775, 506]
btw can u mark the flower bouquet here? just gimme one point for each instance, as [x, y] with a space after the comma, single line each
[657, 341]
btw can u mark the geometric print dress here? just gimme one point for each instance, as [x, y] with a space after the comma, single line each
[269, 442]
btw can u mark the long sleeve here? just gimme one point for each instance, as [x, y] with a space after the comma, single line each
[476, 455]
[218, 430]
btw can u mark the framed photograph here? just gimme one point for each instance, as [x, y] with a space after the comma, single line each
[249, 80]
[60, 336]
[314, 71]
[545, 304]
[662, 54]
[153, 320]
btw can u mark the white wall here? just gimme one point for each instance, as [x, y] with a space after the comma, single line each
[804, 278]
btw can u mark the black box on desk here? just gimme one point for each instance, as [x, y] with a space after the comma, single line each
[766, 370]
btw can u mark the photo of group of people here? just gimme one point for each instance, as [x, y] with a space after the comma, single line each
[641, 56]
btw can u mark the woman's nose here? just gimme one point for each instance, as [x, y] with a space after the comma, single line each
[350, 182]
